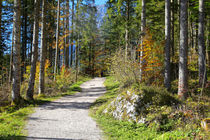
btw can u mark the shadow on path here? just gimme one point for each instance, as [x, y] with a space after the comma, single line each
[33, 138]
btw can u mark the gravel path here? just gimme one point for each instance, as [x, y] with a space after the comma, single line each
[67, 118]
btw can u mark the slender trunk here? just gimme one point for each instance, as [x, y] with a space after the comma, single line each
[31, 43]
[143, 32]
[0, 20]
[172, 28]
[67, 37]
[30, 91]
[183, 51]
[72, 33]
[201, 46]
[178, 36]
[50, 48]
[77, 57]
[77, 42]
[93, 61]
[1, 46]
[89, 58]
[191, 40]
[16, 53]
[11, 58]
[24, 39]
[64, 43]
[42, 50]
[207, 41]
[127, 29]
[126, 42]
[167, 78]
[57, 40]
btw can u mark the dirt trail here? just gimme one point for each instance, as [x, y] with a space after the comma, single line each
[67, 118]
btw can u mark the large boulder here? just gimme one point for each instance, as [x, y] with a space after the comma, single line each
[137, 105]
[126, 107]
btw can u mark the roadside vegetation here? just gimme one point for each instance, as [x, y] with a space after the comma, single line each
[14, 117]
[166, 122]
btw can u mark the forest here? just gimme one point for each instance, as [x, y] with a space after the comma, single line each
[155, 55]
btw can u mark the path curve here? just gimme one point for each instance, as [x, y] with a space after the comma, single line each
[67, 118]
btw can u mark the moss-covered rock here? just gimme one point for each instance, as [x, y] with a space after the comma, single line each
[137, 106]
[124, 107]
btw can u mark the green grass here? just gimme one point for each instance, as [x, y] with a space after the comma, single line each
[12, 124]
[13, 118]
[124, 130]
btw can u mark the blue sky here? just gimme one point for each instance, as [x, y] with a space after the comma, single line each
[100, 2]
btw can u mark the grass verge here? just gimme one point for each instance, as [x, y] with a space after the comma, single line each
[13, 118]
[124, 130]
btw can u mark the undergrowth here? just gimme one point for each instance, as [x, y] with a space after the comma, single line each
[166, 119]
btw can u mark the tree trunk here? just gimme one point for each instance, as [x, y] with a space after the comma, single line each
[67, 37]
[127, 29]
[24, 39]
[0, 23]
[57, 40]
[77, 42]
[0, 20]
[42, 50]
[64, 42]
[11, 58]
[172, 29]
[207, 41]
[1, 46]
[143, 31]
[167, 78]
[72, 33]
[183, 52]
[201, 46]
[16, 53]
[30, 91]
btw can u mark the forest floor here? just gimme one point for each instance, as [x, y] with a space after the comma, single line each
[68, 117]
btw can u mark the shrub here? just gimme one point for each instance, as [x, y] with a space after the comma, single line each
[127, 69]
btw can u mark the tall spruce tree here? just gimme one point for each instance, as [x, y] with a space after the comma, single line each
[16, 52]
[183, 50]
[30, 91]
[201, 45]
[43, 49]
[167, 78]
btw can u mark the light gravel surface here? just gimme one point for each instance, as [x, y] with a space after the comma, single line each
[67, 118]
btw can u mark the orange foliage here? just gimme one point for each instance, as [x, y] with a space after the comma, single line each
[152, 61]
